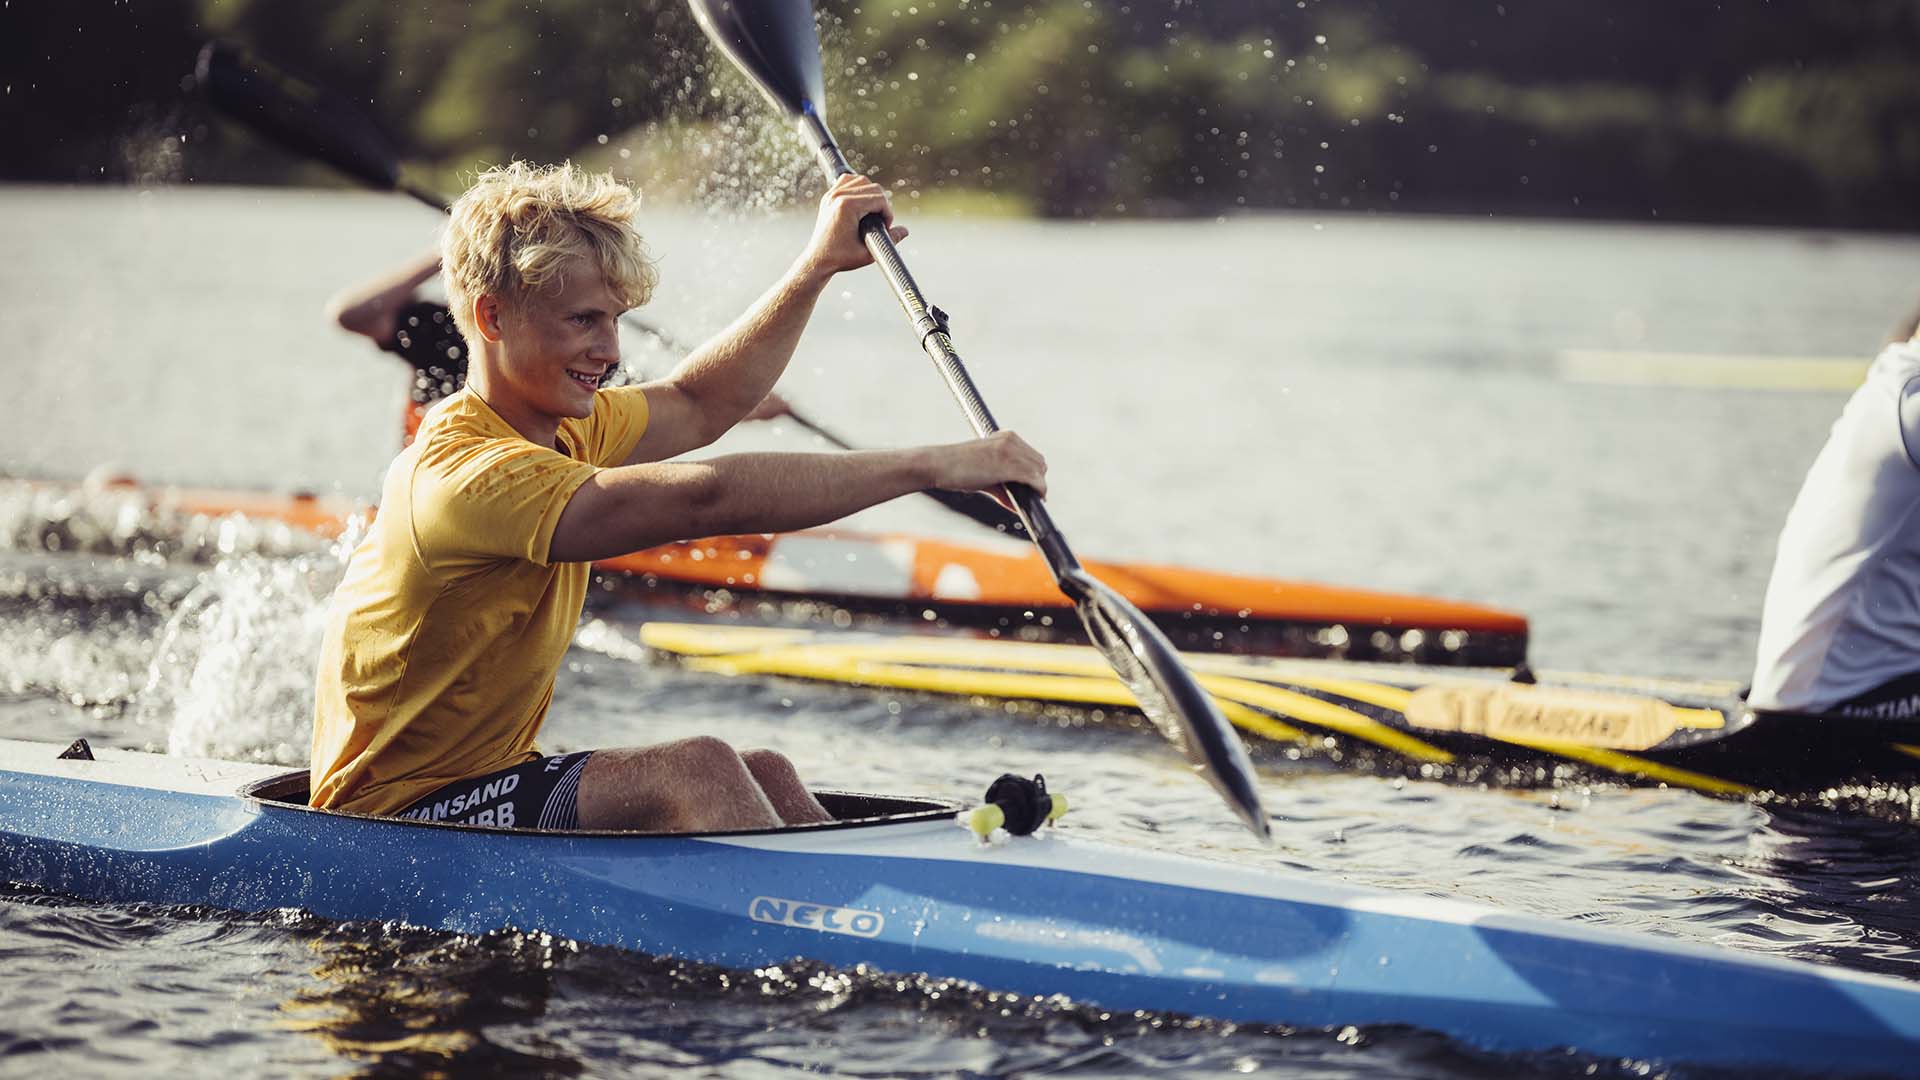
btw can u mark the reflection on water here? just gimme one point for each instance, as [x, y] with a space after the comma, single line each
[369, 999]
[412, 1002]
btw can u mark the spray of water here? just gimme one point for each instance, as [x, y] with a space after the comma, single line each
[153, 147]
[232, 673]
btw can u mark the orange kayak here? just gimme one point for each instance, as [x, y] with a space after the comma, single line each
[837, 577]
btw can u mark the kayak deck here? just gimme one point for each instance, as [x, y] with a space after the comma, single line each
[1115, 927]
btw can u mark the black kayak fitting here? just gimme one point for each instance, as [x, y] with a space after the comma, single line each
[1025, 803]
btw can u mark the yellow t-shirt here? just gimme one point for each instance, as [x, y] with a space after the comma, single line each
[443, 639]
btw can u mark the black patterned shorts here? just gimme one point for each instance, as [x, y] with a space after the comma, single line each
[541, 794]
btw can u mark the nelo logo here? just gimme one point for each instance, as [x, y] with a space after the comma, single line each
[832, 920]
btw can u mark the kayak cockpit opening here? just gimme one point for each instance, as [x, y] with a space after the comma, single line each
[849, 809]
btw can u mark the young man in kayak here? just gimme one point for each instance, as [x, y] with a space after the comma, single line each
[1840, 631]
[444, 638]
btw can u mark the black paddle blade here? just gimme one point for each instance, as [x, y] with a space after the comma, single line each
[774, 42]
[1168, 694]
[299, 116]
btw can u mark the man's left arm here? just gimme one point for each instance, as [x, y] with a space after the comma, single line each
[725, 379]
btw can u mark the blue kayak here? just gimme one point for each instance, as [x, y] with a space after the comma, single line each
[898, 886]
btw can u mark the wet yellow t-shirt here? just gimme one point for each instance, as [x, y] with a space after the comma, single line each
[443, 639]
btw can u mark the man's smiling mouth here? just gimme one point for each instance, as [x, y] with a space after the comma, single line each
[591, 382]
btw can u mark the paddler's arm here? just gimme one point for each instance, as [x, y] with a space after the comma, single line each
[372, 309]
[640, 506]
[730, 376]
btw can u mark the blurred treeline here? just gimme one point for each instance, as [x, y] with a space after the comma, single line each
[1760, 111]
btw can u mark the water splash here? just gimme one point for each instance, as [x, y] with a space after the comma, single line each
[232, 675]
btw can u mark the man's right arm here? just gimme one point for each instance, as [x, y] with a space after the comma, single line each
[639, 506]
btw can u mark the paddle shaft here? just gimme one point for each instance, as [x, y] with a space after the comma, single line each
[931, 325]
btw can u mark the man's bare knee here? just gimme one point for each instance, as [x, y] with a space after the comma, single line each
[690, 784]
[765, 764]
[783, 786]
[703, 755]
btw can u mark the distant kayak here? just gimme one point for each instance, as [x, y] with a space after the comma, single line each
[1501, 726]
[839, 577]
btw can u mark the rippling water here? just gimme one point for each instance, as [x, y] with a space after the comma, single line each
[1371, 402]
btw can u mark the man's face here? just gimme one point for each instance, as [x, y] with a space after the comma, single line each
[557, 346]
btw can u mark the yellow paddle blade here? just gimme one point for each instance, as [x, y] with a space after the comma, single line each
[1521, 712]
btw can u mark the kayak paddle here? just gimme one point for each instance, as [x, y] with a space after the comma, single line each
[775, 44]
[302, 118]
[312, 121]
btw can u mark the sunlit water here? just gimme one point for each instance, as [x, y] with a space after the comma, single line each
[1360, 401]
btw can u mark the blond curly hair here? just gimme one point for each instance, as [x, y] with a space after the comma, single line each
[520, 226]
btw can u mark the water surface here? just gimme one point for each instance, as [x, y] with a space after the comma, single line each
[1364, 401]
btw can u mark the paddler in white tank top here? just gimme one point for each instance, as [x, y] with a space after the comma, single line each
[1840, 632]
